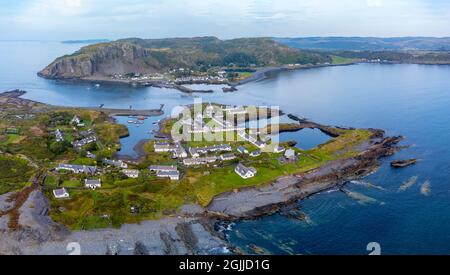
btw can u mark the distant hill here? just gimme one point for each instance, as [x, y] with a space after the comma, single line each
[136, 55]
[88, 41]
[368, 43]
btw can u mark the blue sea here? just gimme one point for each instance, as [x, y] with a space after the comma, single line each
[409, 100]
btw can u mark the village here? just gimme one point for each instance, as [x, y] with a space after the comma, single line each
[208, 149]
[184, 154]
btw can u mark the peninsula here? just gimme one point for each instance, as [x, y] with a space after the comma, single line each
[61, 179]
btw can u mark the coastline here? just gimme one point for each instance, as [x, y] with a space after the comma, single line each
[192, 230]
[260, 74]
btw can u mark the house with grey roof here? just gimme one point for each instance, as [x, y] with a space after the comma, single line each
[164, 168]
[199, 161]
[242, 150]
[116, 163]
[61, 193]
[255, 154]
[226, 157]
[131, 173]
[172, 175]
[92, 183]
[245, 172]
[59, 136]
[77, 169]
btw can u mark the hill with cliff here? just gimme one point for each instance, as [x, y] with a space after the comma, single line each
[146, 56]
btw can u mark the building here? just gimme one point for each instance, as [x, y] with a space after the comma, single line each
[240, 110]
[90, 155]
[179, 152]
[116, 163]
[131, 173]
[172, 175]
[75, 120]
[92, 183]
[245, 172]
[255, 154]
[163, 168]
[77, 169]
[290, 154]
[61, 193]
[196, 152]
[199, 161]
[279, 149]
[242, 150]
[87, 133]
[177, 149]
[163, 147]
[84, 141]
[226, 157]
[252, 139]
[59, 136]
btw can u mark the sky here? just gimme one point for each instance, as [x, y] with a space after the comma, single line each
[114, 19]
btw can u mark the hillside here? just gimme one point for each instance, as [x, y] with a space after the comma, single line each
[147, 56]
[368, 43]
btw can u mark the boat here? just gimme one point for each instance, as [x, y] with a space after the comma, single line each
[141, 118]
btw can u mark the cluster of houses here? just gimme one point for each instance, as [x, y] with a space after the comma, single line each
[200, 79]
[215, 113]
[199, 155]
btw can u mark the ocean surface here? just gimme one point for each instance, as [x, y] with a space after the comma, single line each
[409, 100]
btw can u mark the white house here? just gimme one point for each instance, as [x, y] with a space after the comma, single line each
[172, 175]
[199, 161]
[255, 154]
[59, 136]
[245, 172]
[75, 120]
[93, 183]
[131, 173]
[61, 193]
[290, 154]
[163, 168]
[242, 150]
[77, 169]
[116, 163]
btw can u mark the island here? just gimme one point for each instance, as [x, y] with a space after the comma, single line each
[175, 62]
[61, 178]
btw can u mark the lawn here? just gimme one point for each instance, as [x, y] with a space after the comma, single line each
[336, 60]
[15, 173]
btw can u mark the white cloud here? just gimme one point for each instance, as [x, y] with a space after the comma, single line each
[374, 3]
[231, 18]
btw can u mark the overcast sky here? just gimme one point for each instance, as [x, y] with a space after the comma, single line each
[112, 19]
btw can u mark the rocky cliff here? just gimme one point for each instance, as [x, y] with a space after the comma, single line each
[131, 56]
